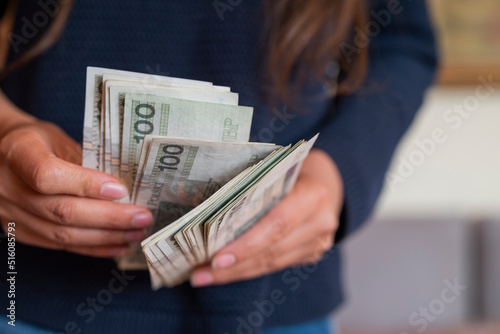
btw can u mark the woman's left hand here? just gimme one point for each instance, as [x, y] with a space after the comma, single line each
[297, 231]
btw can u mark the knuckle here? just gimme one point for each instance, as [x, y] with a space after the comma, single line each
[62, 236]
[333, 223]
[268, 260]
[41, 177]
[8, 146]
[322, 246]
[321, 192]
[328, 222]
[5, 148]
[323, 226]
[326, 227]
[329, 242]
[86, 187]
[279, 229]
[63, 212]
[15, 142]
[326, 243]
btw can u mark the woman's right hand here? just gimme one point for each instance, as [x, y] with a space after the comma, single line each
[57, 204]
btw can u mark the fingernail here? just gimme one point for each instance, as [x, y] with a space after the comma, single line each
[223, 261]
[122, 251]
[202, 278]
[113, 190]
[135, 236]
[142, 220]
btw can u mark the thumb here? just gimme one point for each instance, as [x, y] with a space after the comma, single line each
[32, 158]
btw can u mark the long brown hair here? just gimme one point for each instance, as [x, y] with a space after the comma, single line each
[304, 36]
[301, 38]
[42, 43]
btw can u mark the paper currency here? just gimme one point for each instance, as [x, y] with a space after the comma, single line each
[180, 174]
[181, 148]
[93, 127]
[114, 92]
[177, 118]
[225, 215]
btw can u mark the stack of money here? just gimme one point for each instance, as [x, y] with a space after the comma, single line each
[181, 148]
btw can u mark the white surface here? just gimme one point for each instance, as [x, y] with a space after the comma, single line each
[462, 176]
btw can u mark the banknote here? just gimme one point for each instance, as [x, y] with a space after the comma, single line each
[93, 126]
[181, 148]
[180, 174]
[225, 215]
[111, 111]
[159, 115]
[169, 242]
[115, 97]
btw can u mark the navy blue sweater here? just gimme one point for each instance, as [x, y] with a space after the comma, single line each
[189, 39]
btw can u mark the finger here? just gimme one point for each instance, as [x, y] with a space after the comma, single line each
[31, 238]
[81, 212]
[88, 213]
[322, 224]
[295, 208]
[315, 233]
[254, 267]
[47, 174]
[74, 236]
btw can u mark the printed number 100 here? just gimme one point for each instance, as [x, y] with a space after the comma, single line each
[171, 160]
[144, 126]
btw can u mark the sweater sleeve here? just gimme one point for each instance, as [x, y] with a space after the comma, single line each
[365, 128]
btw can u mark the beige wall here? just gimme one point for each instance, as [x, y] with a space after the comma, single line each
[462, 175]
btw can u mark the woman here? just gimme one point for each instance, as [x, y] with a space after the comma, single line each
[283, 58]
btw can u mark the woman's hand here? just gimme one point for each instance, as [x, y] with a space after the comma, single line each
[298, 230]
[58, 204]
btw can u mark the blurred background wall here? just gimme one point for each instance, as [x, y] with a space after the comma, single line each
[429, 259]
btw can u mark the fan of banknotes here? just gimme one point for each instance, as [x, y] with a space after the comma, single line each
[181, 148]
